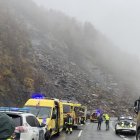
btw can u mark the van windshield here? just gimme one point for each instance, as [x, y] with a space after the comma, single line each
[40, 112]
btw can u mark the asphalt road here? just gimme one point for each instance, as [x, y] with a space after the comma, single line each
[90, 132]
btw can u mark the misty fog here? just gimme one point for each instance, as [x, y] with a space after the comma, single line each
[63, 56]
[119, 22]
[117, 19]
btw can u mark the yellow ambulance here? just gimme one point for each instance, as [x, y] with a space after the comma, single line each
[76, 110]
[48, 111]
[67, 109]
[79, 113]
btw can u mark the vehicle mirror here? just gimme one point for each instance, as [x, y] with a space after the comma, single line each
[54, 116]
[136, 106]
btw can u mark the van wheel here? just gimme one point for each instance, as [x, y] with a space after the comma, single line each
[48, 135]
[116, 132]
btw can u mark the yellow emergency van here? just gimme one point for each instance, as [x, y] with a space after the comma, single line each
[84, 114]
[67, 109]
[77, 112]
[48, 111]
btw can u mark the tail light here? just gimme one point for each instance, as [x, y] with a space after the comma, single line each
[21, 129]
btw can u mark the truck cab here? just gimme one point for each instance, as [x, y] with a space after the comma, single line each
[137, 111]
[48, 111]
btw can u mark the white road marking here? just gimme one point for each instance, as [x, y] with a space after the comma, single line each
[123, 137]
[80, 133]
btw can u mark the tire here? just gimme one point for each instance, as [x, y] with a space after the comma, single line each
[134, 133]
[116, 132]
[138, 135]
[48, 135]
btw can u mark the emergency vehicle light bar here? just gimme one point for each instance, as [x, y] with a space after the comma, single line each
[4, 108]
[37, 96]
[25, 109]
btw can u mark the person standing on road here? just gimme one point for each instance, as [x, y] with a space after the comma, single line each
[107, 118]
[100, 120]
[69, 122]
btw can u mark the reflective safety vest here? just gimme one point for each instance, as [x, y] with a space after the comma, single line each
[107, 118]
[69, 120]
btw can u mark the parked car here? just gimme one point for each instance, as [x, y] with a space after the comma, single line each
[126, 126]
[27, 126]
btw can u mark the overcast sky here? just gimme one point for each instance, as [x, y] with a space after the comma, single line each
[119, 20]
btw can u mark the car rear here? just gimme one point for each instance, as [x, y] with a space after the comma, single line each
[125, 126]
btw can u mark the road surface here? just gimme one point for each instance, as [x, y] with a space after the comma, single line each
[90, 132]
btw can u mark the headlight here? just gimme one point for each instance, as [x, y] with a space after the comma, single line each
[131, 125]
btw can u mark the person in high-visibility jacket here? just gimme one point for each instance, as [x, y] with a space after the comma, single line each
[69, 123]
[107, 118]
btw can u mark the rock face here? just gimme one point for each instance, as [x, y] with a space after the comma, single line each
[48, 52]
